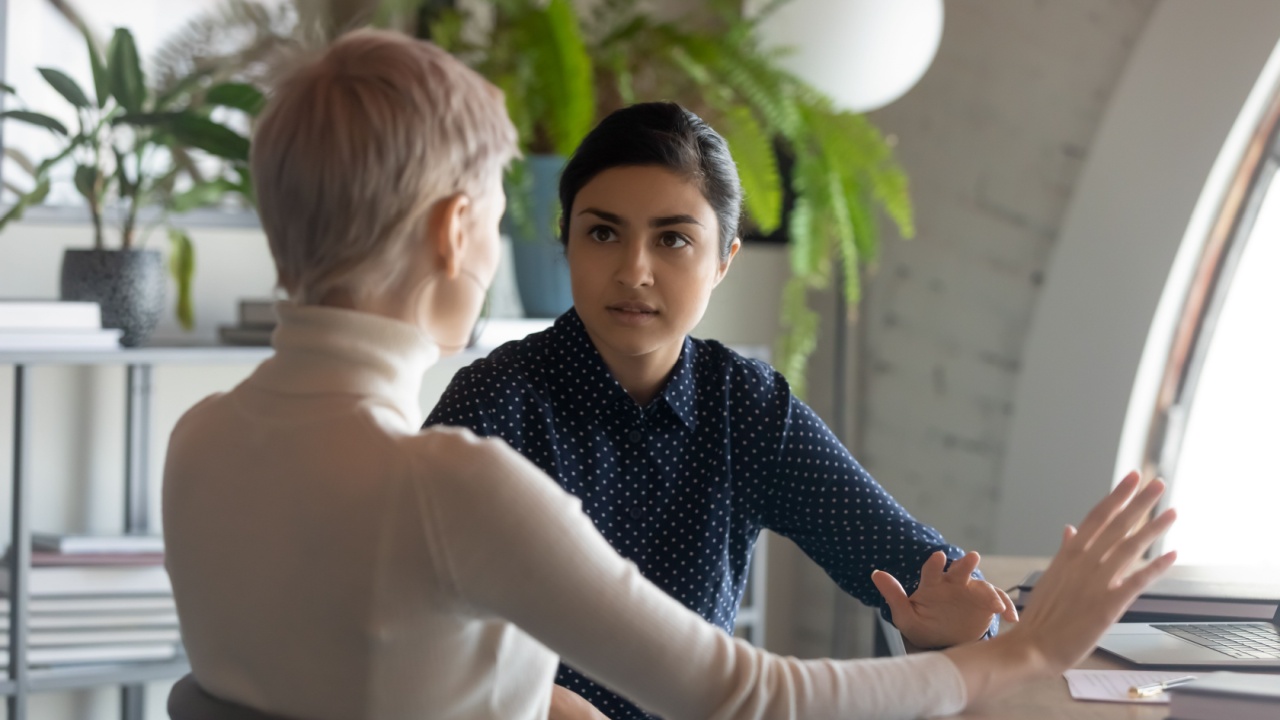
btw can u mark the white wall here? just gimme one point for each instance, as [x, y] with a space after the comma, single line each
[1188, 103]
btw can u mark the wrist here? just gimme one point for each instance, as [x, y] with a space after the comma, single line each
[992, 667]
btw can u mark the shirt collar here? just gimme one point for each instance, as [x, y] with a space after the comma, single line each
[569, 336]
[325, 350]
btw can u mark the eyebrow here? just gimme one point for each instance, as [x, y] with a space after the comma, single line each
[657, 222]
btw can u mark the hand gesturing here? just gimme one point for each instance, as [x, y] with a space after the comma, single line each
[949, 607]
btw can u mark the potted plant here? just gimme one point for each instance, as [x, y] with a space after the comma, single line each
[135, 146]
[538, 56]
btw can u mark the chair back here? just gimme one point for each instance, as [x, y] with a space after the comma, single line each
[189, 701]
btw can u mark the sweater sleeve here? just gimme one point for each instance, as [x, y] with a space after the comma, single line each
[517, 546]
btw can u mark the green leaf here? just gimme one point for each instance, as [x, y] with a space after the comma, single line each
[86, 179]
[799, 335]
[66, 87]
[207, 135]
[566, 77]
[101, 81]
[5, 87]
[202, 195]
[240, 96]
[752, 151]
[36, 118]
[182, 266]
[124, 72]
[24, 201]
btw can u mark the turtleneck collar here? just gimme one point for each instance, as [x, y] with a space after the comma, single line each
[325, 350]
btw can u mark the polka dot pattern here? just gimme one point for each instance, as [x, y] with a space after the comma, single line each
[683, 486]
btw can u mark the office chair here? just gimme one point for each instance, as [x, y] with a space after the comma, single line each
[189, 701]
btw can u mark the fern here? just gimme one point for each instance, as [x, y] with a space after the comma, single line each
[753, 152]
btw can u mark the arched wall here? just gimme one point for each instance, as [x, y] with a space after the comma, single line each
[1150, 188]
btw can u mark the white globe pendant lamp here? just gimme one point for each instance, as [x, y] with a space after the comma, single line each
[864, 54]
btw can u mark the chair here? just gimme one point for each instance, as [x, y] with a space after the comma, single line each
[189, 701]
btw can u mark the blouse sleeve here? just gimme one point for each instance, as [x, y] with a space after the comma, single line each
[517, 546]
[810, 489]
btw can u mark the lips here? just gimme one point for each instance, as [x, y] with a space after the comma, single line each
[630, 306]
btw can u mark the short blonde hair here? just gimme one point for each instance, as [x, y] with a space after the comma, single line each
[356, 145]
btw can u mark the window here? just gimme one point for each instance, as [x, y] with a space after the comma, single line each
[1219, 434]
[38, 35]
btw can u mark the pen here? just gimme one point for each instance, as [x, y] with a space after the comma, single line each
[1142, 691]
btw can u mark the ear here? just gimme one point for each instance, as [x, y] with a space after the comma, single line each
[724, 264]
[447, 232]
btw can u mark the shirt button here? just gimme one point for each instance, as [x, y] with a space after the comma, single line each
[637, 513]
[635, 436]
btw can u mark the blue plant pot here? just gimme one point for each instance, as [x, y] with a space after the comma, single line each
[542, 274]
[128, 285]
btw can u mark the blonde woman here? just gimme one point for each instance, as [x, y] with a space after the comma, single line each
[329, 560]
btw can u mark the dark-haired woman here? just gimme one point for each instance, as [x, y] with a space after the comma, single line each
[681, 450]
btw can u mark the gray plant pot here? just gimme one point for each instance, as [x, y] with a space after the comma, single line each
[128, 284]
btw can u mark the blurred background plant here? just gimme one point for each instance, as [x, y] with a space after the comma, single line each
[818, 177]
[137, 144]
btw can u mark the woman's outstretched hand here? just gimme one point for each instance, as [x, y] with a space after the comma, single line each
[1086, 588]
[949, 607]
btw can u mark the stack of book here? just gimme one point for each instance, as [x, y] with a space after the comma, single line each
[95, 599]
[1227, 696]
[1193, 593]
[54, 325]
[256, 322]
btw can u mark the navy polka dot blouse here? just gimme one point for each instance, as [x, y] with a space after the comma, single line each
[683, 486]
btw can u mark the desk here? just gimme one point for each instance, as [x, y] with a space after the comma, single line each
[1048, 699]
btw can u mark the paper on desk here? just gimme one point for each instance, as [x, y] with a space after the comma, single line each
[1113, 685]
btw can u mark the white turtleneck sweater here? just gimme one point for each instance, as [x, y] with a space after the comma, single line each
[331, 561]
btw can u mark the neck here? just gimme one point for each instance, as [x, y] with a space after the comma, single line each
[642, 376]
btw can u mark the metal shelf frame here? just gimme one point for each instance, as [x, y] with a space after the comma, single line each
[21, 680]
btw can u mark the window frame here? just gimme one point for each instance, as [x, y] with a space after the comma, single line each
[1207, 294]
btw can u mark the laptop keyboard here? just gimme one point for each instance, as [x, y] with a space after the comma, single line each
[1247, 641]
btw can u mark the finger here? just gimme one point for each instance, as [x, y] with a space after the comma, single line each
[1140, 579]
[1102, 513]
[1123, 523]
[894, 595]
[1133, 547]
[987, 595]
[932, 570]
[962, 569]
[1010, 611]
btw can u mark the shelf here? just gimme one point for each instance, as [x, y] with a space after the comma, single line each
[86, 676]
[496, 332]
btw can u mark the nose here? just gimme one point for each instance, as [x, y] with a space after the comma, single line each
[635, 268]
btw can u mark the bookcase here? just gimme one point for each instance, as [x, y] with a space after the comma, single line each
[21, 680]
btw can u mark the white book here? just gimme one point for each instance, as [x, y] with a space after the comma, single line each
[74, 606]
[49, 315]
[96, 622]
[105, 339]
[90, 544]
[65, 638]
[76, 581]
[74, 655]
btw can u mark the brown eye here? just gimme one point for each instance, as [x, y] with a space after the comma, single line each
[674, 240]
[601, 233]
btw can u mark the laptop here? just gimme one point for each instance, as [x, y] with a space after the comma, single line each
[1197, 616]
[1196, 644]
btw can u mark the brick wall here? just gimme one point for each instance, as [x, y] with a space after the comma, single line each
[993, 139]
